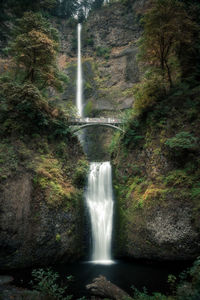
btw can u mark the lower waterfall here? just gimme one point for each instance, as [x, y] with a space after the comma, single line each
[99, 199]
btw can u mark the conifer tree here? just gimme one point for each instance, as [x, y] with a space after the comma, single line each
[34, 51]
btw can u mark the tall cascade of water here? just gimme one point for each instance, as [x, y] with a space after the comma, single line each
[99, 199]
[79, 83]
[99, 196]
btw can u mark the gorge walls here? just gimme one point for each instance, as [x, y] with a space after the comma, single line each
[41, 206]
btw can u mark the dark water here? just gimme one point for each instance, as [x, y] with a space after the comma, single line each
[123, 273]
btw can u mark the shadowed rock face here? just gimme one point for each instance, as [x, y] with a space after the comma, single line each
[41, 205]
[31, 231]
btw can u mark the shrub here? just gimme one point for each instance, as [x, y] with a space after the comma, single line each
[103, 52]
[80, 174]
[195, 193]
[178, 178]
[182, 141]
[189, 287]
[145, 296]
[132, 133]
[147, 94]
[114, 145]
[23, 109]
[45, 281]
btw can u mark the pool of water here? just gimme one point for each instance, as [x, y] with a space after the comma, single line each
[123, 273]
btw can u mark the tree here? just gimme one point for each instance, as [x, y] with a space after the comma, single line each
[167, 31]
[34, 51]
[67, 8]
[97, 4]
[20, 6]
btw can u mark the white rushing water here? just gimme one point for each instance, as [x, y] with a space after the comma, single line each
[79, 84]
[99, 198]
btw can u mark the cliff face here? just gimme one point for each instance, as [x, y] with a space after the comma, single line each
[110, 67]
[40, 203]
[157, 186]
[156, 192]
[109, 51]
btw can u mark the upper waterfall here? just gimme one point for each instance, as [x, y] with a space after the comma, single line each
[79, 83]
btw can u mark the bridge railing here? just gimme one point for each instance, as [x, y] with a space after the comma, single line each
[95, 120]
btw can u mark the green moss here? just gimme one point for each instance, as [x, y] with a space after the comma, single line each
[80, 173]
[178, 178]
[9, 160]
[58, 237]
[195, 193]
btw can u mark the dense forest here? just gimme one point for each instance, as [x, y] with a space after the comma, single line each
[156, 160]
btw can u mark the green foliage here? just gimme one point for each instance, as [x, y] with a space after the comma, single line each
[178, 178]
[103, 52]
[195, 193]
[147, 94]
[89, 41]
[132, 134]
[189, 287]
[80, 174]
[145, 296]
[97, 4]
[66, 8]
[45, 281]
[172, 280]
[88, 109]
[182, 141]
[58, 237]
[167, 38]
[34, 50]
[24, 110]
[8, 160]
[52, 180]
[114, 144]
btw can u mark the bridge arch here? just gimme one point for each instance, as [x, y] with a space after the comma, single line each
[95, 124]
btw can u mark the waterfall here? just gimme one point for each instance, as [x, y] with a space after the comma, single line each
[79, 84]
[99, 198]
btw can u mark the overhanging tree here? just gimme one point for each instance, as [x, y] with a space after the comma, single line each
[167, 31]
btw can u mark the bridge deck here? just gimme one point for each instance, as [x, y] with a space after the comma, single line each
[82, 121]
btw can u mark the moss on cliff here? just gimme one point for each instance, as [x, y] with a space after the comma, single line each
[156, 175]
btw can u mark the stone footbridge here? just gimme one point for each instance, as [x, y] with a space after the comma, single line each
[81, 123]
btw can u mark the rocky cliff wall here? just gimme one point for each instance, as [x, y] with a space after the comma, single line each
[157, 187]
[110, 68]
[41, 205]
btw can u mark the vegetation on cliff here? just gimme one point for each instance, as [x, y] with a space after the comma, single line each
[42, 166]
[157, 159]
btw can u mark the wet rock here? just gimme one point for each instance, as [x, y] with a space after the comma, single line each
[5, 279]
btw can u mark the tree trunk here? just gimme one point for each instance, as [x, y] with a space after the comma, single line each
[103, 288]
[169, 75]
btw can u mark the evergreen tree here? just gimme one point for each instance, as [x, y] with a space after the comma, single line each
[34, 50]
